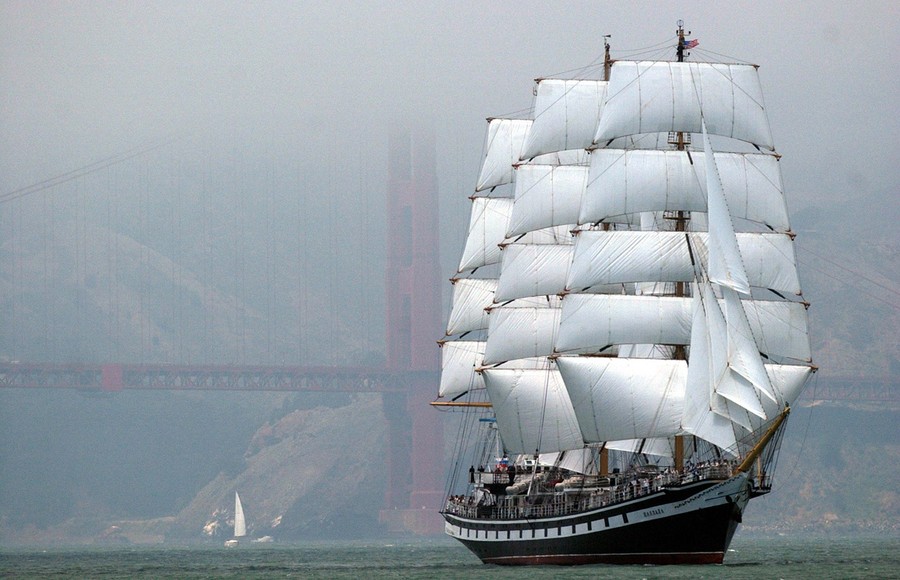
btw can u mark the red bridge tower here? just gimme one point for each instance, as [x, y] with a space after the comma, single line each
[414, 315]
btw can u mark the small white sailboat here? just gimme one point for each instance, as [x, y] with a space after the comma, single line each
[240, 524]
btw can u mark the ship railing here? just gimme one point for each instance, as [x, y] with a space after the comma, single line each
[491, 477]
[584, 498]
[705, 471]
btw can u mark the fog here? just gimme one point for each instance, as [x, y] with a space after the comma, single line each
[230, 160]
[305, 84]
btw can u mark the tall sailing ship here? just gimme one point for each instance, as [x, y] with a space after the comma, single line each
[628, 331]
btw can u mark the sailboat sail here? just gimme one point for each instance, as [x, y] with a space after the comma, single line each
[636, 304]
[240, 524]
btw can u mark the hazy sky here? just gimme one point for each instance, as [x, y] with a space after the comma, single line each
[84, 80]
[323, 82]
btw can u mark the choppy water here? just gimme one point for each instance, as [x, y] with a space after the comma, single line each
[780, 557]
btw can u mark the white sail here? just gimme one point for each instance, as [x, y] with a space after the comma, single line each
[743, 354]
[727, 382]
[617, 398]
[590, 322]
[578, 460]
[726, 267]
[462, 362]
[788, 382]
[658, 446]
[523, 329]
[653, 97]
[593, 321]
[546, 195]
[487, 229]
[470, 298]
[488, 224]
[780, 329]
[533, 411]
[622, 182]
[505, 138]
[615, 257]
[240, 524]
[700, 416]
[566, 115]
[459, 360]
[533, 270]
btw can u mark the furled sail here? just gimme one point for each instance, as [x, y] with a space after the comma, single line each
[653, 97]
[566, 115]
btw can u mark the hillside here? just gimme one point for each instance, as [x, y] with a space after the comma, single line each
[834, 473]
[314, 472]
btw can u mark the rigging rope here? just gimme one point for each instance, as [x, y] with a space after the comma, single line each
[806, 430]
[704, 51]
[855, 273]
[664, 43]
[84, 170]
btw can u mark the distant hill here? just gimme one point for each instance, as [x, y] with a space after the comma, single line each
[313, 473]
[836, 472]
[849, 259]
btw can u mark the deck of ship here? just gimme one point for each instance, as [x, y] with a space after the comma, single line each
[560, 493]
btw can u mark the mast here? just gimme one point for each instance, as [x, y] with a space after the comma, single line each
[607, 66]
[680, 226]
[607, 61]
[679, 50]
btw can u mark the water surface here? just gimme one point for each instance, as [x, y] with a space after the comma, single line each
[769, 557]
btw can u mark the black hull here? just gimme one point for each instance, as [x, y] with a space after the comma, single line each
[691, 525]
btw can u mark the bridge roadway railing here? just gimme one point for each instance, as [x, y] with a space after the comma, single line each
[116, 377]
